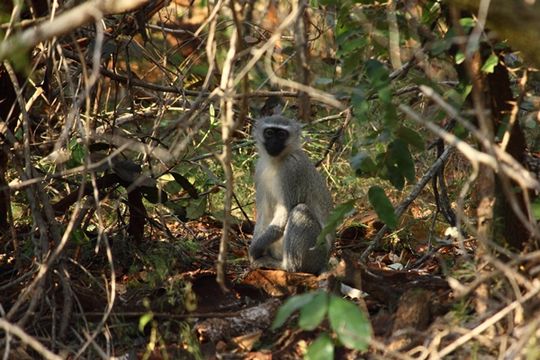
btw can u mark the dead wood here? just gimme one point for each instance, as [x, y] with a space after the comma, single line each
[247, 321]
[412, 316]
[137, 211]
[388, 286]
[281, 283]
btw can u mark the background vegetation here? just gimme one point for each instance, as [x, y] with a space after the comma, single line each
[126, 196]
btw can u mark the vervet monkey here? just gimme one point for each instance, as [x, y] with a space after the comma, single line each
[292, 201]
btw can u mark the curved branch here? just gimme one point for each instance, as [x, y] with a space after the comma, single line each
[27, 339]
[66, 22]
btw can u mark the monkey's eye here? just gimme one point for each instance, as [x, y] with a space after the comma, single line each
[276, 133]
[282, 134]
[269, 133]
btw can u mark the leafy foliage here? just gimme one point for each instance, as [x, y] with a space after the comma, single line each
[290, 306]
[336, 217]
[321, 349]
[382, 206]
[347, 321]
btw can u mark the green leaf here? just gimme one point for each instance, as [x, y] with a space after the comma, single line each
[536, 208]
[394, 175]
[466, 89]
[489, 65]
[377, 74]
[467, 22]
[382, 205]
[19, 57]
[400, 154]
[145, 319]
[385, 94]
[353, 44]
[363, 164]
[79, 237]
[438, 47]
[454, 98]
[196, 208]
[77, 151]
[178, 209]
[201, 69]
[186, 185]
[459, 58]
[161, 267]
[431, 12]
[313, 313]
[441, 45]
[359, 103]
[390, 115]
[321, 349]
[411, 137]
[350, 62]
[291, 305]
[349, 323]
[153, 194]
[335, 218]
[170, 187]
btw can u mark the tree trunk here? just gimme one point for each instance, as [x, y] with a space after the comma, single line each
[515, 20]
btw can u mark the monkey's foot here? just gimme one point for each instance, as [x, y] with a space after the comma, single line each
[267, 262]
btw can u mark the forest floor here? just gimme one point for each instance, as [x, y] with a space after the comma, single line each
[164, 301]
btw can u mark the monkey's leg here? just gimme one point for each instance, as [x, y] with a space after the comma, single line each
[300, 237]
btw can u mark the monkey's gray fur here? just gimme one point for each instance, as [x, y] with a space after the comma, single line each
[292, 199]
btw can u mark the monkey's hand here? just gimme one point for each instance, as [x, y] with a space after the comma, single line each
[255, 250]
[260, 244]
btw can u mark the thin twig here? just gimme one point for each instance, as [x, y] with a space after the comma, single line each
[489, 322]
[507, 163]
[337, 135]
[227, 129]
[497, 159]
[28, 339]
[400, 209]
[66, 22]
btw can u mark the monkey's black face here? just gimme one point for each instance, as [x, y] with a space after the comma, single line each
[275, 140]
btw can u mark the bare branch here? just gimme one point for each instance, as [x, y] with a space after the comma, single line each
[227, 129]
[400, 209]
[27, 339]
[492, 320]
[508, 164]
[66, 22]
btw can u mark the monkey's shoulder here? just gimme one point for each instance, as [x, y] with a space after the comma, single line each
[298, 160]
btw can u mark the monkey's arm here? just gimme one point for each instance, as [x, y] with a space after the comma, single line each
[266, 237]
[263, 242]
